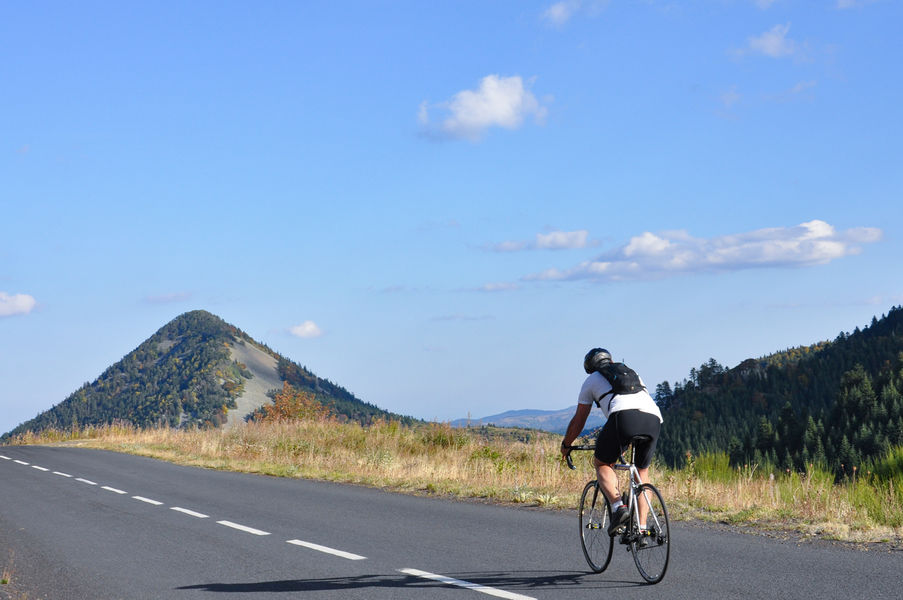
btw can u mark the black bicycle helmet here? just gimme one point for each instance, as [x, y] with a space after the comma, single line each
[595, 358]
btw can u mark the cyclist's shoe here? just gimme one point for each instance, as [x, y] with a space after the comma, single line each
[645, 539]
[618, 520]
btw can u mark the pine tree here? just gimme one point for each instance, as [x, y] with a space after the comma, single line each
[764, 436]
[846, 457]
[819, 458]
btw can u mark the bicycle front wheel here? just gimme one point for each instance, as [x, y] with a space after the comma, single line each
[594, 517]
[651, 547]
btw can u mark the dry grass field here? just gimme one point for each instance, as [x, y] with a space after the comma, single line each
[510, 466]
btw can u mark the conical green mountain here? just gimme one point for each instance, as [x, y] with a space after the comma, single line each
[196, 370]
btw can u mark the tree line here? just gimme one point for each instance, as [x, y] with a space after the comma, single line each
[836, 404]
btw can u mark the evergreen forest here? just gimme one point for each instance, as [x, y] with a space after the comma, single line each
[834, 404]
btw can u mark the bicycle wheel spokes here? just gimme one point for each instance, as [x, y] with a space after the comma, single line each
[652, 548]
[594, 538]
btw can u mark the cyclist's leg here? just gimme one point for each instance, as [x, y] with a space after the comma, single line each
[642, 507]
[608, 480]
[634, 422]
[644, 474]
[606, 454]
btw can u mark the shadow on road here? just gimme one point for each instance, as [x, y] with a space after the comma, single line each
[518, 581]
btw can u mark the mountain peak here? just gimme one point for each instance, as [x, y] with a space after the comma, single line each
[197, 370]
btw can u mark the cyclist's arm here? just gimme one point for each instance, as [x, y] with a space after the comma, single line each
[578, 421]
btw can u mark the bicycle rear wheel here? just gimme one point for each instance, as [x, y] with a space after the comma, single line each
[594, 517]
[652, 549]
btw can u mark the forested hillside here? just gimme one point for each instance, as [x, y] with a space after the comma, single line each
[342, 402]
[184, 375]
[836, 403]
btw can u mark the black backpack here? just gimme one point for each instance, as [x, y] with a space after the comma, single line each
[622, 378]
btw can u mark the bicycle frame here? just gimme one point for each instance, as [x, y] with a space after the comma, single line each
[633, 484]
[633, 501]
[646, 536]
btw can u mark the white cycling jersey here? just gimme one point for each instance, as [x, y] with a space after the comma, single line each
[596, 386]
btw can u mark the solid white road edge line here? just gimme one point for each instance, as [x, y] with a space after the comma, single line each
[189, 512]
[85, 481]
[148, 500]
[39, 468]
[243, 528]
[62, 474]
[328, 550]
[466, 584]
[114, 490]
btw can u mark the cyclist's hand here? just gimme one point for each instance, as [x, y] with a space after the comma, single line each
[565, 451]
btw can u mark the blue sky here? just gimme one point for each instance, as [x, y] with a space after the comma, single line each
[441, 206]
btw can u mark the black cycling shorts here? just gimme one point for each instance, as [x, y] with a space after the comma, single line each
[620, 427]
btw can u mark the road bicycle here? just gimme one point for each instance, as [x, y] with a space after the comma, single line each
[649, 542]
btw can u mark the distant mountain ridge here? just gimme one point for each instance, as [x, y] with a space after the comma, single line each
[555, 421]
[195, 370]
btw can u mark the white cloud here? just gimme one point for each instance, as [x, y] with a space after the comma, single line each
[774, 42]
[650, 255]
[561, 240]
[554, 240]
[846, 4]
[499, 287]
[510, 246]
[306, 330]
[731, 97]
[802, 86]
[561, 12]
[423, 114]
[498, 102]
[800, 91]
[16, 304]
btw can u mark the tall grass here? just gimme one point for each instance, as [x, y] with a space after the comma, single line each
[511, 466]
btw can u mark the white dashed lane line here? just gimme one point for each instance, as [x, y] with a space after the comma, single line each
[244, 528]
[309, 545]
[189, 512]
[466, 584]
[328, 550]
[147, 500]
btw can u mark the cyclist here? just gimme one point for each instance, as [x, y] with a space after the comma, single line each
[627, 415]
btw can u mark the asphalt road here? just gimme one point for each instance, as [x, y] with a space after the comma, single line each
[84, 524]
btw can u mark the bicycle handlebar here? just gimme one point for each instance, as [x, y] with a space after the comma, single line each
[622, 466]
[568, 457]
